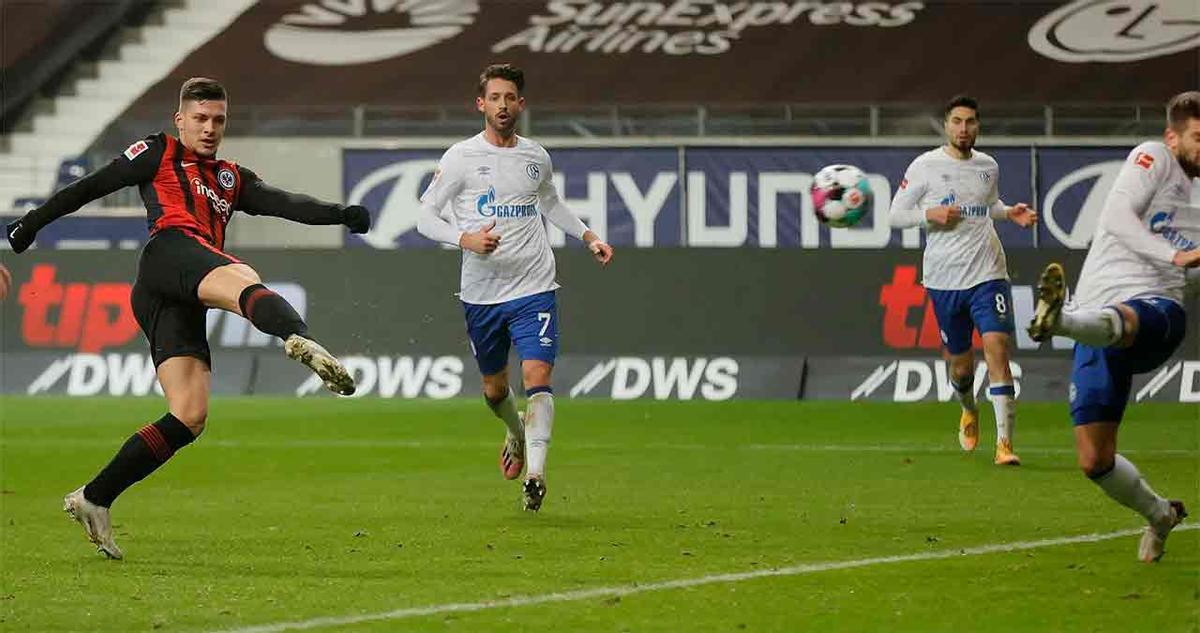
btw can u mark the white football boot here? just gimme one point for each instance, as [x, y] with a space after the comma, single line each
[318, 359]
[95, 521]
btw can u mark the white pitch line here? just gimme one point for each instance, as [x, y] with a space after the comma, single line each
[946, 448]
[683, 583]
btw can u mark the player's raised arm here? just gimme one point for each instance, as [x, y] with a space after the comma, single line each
[1130, 198]
[557, 212]
[135, 165]
[259, 198]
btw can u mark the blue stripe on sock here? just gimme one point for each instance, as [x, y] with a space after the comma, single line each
[1002, 390]
[546, 389]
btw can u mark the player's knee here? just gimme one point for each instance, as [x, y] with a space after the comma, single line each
[495, 387]
[960, 368]
[193, 415]
[1095, 465]
[1129, 324]
[536, 375]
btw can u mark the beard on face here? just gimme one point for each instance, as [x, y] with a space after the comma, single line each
[506, 126]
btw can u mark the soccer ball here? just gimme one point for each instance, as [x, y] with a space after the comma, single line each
[841, 195]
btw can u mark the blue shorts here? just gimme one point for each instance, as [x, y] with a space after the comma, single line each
[1102, 376]
[529, 322]
[986, 307]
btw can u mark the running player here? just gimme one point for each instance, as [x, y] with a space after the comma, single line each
[952, 191]
[498, 187]
[190, 196]
[1127, 317]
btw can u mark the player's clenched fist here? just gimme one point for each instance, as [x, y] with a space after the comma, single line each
[482, 241]
[944, 216]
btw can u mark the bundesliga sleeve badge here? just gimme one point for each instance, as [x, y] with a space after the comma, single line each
[132, 151]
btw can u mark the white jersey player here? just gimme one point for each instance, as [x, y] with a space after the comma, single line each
[497, 186]
[952, 191]
[1128, 316]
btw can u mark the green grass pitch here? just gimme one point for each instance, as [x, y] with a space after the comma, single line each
[376, 515]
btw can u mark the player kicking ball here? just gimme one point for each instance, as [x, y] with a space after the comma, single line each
[190, 196]
[953, 192]
[1127, 316]
[498, 186]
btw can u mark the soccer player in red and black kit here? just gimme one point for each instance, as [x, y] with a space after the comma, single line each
[183, 271]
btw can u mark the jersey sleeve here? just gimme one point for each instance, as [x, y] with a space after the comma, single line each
[447, 183]
[1144, 171]
[552, 205]
[136, 165]
[997, 210]
[258, 198]
[906, 208]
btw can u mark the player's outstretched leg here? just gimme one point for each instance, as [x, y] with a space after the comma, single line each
[273, 315]
[512, 450]
[1096, 327]
[539, 422]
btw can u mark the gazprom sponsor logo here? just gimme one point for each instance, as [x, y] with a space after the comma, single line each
[967, 210]
[487, 207]
[1163, 224]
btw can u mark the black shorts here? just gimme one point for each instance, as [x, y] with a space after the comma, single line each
[164, 298]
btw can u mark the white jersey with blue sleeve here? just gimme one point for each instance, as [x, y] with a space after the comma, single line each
[478, 183]
[970, 253]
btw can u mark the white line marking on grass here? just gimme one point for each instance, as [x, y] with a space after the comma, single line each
[933, 448]
[683, 583]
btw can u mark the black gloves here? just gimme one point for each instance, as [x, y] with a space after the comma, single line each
[20, 235]
[356, 218]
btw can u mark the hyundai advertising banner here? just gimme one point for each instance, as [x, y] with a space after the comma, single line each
[723, 197]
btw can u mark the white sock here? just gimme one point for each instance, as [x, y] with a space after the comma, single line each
[1125, 484]
[1097, 328]
[539, 421]
[506, 410]
[1005, 404]
[964, 392]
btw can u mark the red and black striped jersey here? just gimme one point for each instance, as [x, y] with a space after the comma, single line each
[182, 190]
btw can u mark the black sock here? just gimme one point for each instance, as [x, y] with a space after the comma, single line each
[141, 454]
[270, 312]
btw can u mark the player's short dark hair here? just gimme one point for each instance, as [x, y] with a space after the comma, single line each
[1181, 107]
[960, 101]
[202, 89]
[507, 72]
